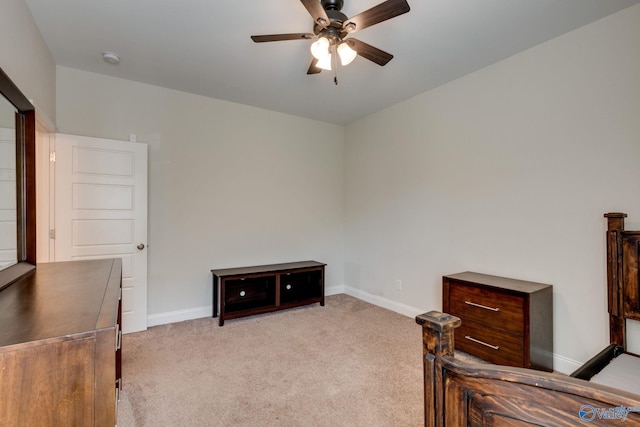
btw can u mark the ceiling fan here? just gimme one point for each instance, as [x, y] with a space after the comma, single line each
[331, 29]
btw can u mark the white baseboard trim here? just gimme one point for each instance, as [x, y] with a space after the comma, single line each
[206, 311]
[564, 364]
[179, 315]
[334, 290]
[560, 363]
[383, 302]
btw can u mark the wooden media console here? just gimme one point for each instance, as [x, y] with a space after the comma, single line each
[246, 291]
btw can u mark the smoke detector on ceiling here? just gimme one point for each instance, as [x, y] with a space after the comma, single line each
[111, 58]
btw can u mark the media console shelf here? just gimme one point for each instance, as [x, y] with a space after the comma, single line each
[260, 289]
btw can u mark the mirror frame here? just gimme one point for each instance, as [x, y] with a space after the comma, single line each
[25, 182]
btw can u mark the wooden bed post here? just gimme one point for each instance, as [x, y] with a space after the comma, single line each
[437, 338]
[615, 278]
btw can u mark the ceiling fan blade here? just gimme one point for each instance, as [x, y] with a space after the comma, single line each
[369, 52]
[317, 12]
[386, 10]
[313, 68]
[282, 37]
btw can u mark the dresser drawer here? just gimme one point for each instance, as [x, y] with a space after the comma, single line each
[492, 345]
[489, 307]
[505, 321]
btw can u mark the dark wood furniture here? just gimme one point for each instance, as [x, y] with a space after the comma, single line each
[25, 121]
[504, 321]
[623, 292]
[623, 279]
[259, 289]
[464, 394]
[60, 355]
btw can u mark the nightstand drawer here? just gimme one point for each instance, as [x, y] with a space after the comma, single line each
[492, 345]
[490, 307]
[505, 321]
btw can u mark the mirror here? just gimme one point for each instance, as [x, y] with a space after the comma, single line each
[17, 183]
[8, 212]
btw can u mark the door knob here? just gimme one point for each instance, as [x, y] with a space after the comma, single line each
[140, 246]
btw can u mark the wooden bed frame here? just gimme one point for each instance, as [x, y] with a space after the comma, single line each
[466, 394]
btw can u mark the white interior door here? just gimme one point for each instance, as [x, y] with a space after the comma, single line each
[101, 212]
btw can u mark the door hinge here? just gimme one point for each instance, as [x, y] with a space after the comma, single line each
[52, 234]
[52, 157]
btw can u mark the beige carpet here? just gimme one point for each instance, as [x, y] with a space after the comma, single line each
[348, 363]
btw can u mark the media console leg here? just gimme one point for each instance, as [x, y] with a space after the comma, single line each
[215, 296]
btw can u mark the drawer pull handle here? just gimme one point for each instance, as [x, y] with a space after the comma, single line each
[486, 307]
[288, 287]
[495, 347]
[242, 293]
[118, 337]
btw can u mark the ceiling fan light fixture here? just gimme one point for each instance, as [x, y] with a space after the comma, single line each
[320, 48]
[331, 27]
[324, 63]
[346, 53]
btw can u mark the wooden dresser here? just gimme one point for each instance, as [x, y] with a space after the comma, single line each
[60, 345]
[504, 321]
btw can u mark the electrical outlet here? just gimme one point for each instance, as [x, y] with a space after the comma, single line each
[398, 284]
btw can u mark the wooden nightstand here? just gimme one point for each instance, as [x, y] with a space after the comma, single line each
[504, 321]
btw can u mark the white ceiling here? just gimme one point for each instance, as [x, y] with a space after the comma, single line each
[203, 46]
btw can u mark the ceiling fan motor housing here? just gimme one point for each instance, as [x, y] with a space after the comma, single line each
[334, 30]
[332, 4]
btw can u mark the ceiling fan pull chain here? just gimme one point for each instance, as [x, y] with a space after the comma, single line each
[335, 67]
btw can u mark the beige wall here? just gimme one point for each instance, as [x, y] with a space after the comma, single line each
[507, 171]
[229, 185]
[25, 58]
